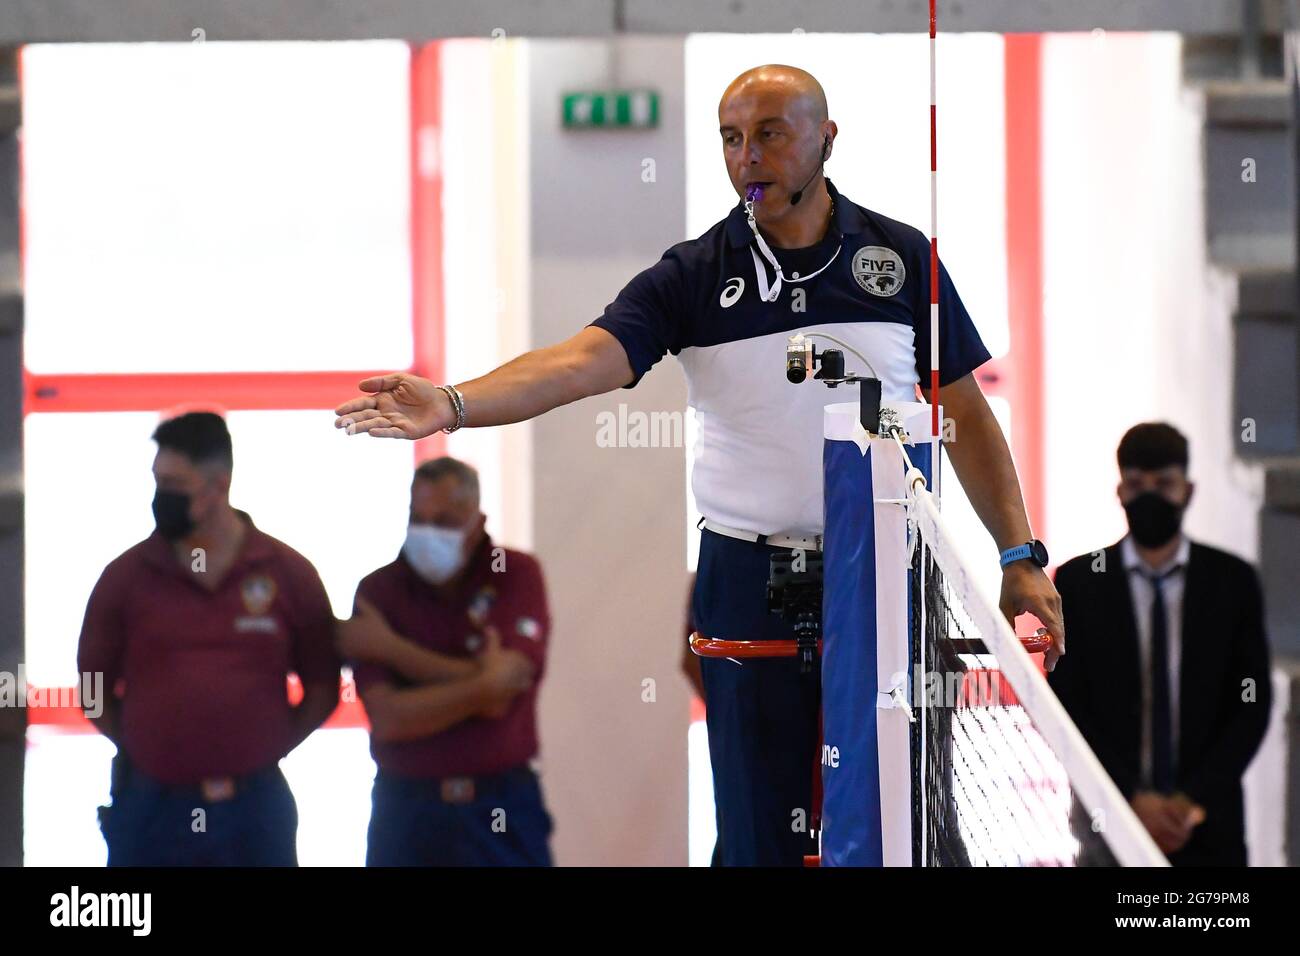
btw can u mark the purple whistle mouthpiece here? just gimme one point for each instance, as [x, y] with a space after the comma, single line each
[753, 193]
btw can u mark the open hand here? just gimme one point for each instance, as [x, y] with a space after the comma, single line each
[398, 406]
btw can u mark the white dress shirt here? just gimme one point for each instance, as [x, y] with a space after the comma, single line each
[1140, 587]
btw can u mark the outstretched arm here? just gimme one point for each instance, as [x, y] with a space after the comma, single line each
[407, 406]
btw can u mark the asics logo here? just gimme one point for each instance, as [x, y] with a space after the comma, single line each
[731, 292]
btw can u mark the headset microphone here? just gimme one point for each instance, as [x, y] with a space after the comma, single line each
[798, 194]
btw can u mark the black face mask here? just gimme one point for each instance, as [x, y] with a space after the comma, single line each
[1153, 519]
[171, 512]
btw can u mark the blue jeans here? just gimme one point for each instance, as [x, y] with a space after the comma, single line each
[155, 824]
[419, 822]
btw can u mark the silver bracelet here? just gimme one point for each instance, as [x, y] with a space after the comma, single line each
[458, 403]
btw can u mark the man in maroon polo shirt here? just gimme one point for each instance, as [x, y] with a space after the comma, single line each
[449, 642]
[196, 629]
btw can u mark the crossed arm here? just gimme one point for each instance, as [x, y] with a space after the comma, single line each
[447, 689]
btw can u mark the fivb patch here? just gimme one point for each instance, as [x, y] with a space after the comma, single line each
[879, 270]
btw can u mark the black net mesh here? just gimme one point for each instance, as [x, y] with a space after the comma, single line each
[986, 788]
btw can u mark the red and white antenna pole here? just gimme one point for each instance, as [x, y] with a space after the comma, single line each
[934, 246]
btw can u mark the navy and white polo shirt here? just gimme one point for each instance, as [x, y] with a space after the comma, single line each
[758, 456]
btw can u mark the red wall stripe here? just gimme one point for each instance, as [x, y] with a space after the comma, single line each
[1020, 373]
[427, 293]
[230, 391]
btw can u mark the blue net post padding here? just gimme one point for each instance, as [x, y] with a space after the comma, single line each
[865, 756]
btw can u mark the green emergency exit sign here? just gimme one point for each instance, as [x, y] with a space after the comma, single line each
[611, 109]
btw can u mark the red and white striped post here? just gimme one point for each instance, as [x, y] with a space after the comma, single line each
[934, 244]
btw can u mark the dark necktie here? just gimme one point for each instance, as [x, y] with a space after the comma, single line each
[1162, 737]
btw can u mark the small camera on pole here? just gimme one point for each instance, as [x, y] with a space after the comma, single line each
[801, 355]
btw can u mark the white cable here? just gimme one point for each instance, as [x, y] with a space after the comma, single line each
[841, 344]
[914, 478]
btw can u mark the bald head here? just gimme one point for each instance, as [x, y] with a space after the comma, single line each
[776, 134]
[798, 89]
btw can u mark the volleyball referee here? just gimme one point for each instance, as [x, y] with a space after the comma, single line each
[725, 304]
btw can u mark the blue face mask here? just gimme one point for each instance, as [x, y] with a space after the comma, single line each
[436, 554]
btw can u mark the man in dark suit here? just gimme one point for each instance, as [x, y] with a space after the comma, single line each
[1167, 675]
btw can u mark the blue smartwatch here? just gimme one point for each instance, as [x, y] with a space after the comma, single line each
[1035, 551]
